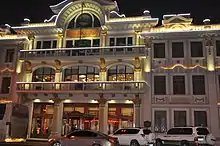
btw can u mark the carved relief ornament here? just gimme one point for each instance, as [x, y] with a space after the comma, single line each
[58, 65]
[28, 66]
[137, 64]
[102, 65]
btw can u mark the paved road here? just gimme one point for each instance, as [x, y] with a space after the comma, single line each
[40, 144]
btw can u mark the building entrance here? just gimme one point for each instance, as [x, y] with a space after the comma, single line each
[119, 116]
[76, 120]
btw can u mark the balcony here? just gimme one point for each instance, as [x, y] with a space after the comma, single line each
[89, 52]
[114, 87]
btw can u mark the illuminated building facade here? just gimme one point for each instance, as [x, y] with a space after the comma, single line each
[90, 67]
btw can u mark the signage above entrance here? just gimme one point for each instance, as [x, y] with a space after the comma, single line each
[80, 33]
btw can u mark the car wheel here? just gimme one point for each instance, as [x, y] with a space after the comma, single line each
[56, 144]
[184, 143]
[96, 144]
[134, 143]
[158, 142]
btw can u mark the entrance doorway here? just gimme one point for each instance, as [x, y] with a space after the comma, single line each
[119, 116]
[76, 120]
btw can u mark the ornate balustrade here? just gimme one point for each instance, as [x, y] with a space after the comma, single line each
[82, 87]
[84, 52]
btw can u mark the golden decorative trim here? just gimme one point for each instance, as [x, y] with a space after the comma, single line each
[28, 66]
[183, 66]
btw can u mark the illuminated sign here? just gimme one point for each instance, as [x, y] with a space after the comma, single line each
[94, 32]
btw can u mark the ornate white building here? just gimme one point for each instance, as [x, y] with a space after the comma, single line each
[90, 67]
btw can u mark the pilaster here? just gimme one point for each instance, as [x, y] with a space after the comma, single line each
[137, 111]
[137, 70]
[103, 38]
[213, 99]
[103, 114]
[209, 46]
[60, 41]
[30, 104]
[103, 70]
[57, 117]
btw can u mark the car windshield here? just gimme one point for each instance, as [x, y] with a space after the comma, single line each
[202, 131]
[127, 131]
[180, 131]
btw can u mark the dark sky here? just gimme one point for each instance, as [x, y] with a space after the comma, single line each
[14, 11]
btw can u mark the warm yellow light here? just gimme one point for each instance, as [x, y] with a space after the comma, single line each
[15, 140]
[112, 101]
[37, 100]
[94, 101]
[67, 101]
[128, 101]
[183, 66]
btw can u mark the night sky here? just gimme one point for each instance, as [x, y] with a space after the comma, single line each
[14, 11]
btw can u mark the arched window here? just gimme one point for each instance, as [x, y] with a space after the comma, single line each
[84, 21]
[81, 74]
[44, 74]
[120, 73]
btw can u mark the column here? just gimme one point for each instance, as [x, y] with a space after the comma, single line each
[147, 60]
[103, 70]
[31, 43]
[103, 38]
[103, 115]
[58, 74]
[213, 100]
[27, 73]
[137, 70]
[137, 37]
[210, 53]
[60, 41]
[30, 104]
[13, 87]
[137, 112]
[146, 106]
[57, 118]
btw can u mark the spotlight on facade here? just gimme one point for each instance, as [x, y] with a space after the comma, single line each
[206, 21]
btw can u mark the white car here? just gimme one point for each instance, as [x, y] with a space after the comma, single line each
[135, 137]
[186, 136]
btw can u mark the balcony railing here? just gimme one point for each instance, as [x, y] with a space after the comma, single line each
[82, 52]
[82, 87]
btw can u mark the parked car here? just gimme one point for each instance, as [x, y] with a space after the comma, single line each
[84, 138]
[186, 136]
[135, 136]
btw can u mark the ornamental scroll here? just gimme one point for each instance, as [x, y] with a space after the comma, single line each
[58, 66]
[28, 66]
[137, 64]
[102, 65]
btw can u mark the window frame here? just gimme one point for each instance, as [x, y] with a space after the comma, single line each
[203, 51]
[78, 72]
[116, 73]
[185, 81]
[183, 49]
[42, 74]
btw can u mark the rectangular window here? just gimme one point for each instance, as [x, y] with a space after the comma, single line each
[38, 45]
[96, 43]
[196, 49]
[160, 85]
[112, 42]
[180, 119]
[198, 82]
[54, 45]
[218, 48]
[120, 41]
[6, 82]
[200, 118]
[179, 85]
[160, 121]
[159, 50]
[69, 44]
[46, 44]
[9, 55]
[177, 50]
[130, 41]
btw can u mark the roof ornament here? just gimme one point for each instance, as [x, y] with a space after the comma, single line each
[117, 15]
